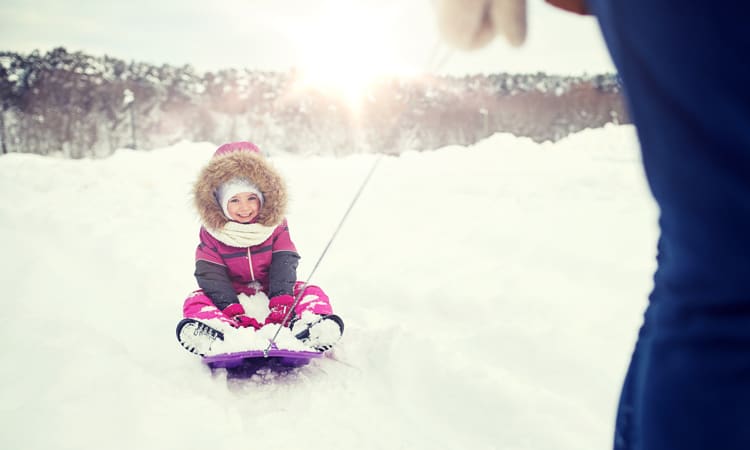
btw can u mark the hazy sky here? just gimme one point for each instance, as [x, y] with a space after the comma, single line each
[278, 34]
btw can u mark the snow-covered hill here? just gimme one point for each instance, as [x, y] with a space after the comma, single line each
[491, 294]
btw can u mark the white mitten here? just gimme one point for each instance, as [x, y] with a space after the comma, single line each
[470, 24]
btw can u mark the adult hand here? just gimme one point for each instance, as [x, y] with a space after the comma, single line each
[470, 24]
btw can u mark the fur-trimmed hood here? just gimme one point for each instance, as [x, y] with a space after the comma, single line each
[239, 163]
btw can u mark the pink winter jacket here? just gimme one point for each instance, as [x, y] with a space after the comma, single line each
[270, 266]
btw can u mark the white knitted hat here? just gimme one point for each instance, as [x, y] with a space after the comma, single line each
[234, 187]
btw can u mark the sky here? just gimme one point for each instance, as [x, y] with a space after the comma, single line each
[492, 296]
[327, 36]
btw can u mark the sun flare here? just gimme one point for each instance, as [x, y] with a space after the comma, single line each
[345, 49]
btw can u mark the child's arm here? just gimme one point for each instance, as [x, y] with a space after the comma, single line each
[214, 281]
[211, 273]
[282, 274]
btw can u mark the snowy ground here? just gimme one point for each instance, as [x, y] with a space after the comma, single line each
[491, 294]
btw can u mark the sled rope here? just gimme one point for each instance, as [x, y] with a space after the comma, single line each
[323, 253]
[437, 58]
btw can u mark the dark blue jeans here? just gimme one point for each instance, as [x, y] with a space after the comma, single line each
[685, 66]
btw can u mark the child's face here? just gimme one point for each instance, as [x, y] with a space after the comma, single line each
[243, 207]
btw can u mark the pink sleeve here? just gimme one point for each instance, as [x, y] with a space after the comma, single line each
[208, 249]
[282, 241]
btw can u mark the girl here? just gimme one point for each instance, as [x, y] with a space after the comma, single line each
[246, 262]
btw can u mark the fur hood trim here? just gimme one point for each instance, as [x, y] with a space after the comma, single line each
[239, 164]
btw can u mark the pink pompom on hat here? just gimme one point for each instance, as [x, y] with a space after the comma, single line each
[235, 146]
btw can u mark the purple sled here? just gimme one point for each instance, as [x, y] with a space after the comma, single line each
[274, 356]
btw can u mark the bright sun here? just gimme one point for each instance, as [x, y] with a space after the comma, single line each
[345, 49]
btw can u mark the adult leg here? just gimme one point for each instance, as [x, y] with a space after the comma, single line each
[684, 66]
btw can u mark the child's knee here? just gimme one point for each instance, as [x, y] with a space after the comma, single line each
[313, 299]
[199, 306]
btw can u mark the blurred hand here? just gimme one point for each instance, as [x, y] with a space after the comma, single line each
[470, 24]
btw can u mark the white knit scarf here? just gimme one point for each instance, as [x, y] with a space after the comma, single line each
[242, 234]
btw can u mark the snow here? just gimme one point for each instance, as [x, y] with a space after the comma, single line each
[491, 294]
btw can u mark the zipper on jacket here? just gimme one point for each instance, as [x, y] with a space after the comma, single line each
[250, 262]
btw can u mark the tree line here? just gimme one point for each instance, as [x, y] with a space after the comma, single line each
[89, 106]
